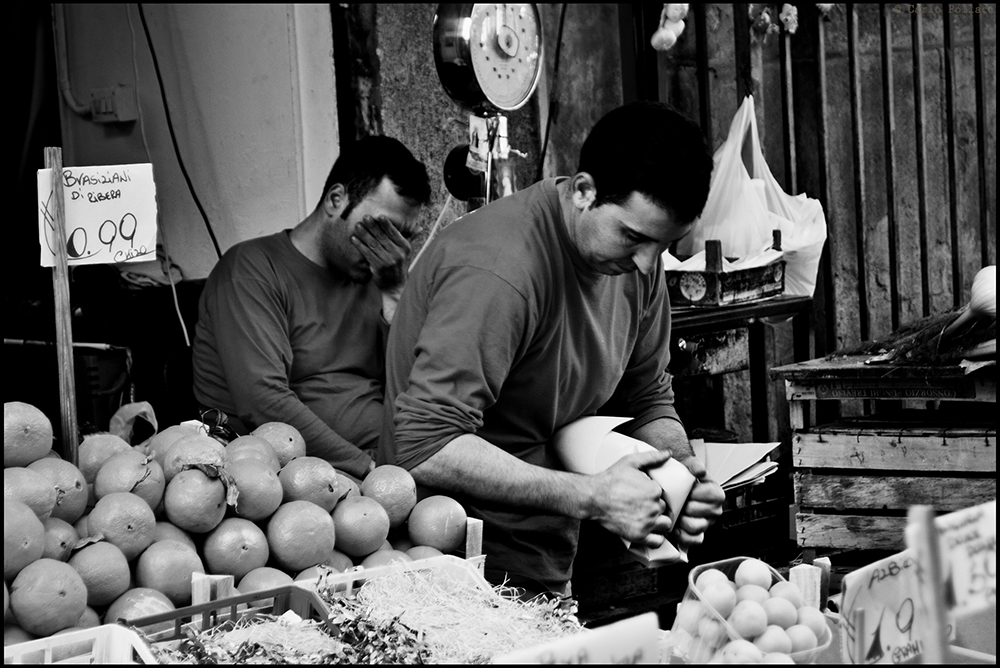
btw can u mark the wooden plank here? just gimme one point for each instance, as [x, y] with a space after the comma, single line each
[850, 532]
[850, 492]
[64, 324]
[950, 132]
[887, 452]
[853, 366]
[953, 389]
[860, 183]
[986, 130]
[889, 135]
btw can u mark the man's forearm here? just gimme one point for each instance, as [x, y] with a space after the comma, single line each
[666, 434]
[473, 466]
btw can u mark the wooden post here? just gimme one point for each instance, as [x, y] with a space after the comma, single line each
[63, 313]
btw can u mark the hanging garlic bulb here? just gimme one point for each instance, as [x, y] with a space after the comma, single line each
[671, 26]
[982, 303]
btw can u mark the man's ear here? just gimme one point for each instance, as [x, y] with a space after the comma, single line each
[335, 200]
[584, 190]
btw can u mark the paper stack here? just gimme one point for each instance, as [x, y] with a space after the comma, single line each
[590, 445]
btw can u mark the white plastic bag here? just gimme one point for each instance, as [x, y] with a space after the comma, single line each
[742, 211]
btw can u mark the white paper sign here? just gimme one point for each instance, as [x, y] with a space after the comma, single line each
[969, 552]
[110, 214]
[634, 640]
[888, 631]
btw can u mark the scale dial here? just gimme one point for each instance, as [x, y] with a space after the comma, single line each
[488, 55]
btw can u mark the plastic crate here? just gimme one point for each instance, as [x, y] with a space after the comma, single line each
[685, 638]
[107, 644]
[172, 625]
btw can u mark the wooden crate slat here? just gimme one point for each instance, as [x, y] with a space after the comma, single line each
[868, 450]
[850, 532]
[850, 491]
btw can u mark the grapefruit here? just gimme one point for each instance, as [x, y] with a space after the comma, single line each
[104, 571]
[235, 547]
[263, 578]
[125, 521]
[30, 488]
[423, 552]
[60, 537]
[23, 538]
[260, 491]
[131, 472]
[339, 561]
[167, 567]
[194, 502]
[362, 526]
[438, 521]
[300, 534]
[394, 488]
[97, 449]
[27, 434]
[309, 479]
[71, 487]
[47, 596]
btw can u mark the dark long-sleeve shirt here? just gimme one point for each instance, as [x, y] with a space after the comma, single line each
[280, 338]
[503, 333]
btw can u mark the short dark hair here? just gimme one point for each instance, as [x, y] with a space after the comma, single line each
[649, 148]
[363, 164]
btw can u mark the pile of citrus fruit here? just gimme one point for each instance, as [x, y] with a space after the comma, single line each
[747, 616]
[120, 535]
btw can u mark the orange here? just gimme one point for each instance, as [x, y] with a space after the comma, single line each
[394, 488]
[60, 537]
[47, 596]
[140, 602]
[104, 570]
[167, 531]
[384, 558]
[27, 434]
[348, 485]
[284, 438]
[400, 541]
[235, 547]
[167, 566]
[97, 449]
[71, 487]
[423, 552]
[131, 472]
[362, 526]
[438, 521]
[23, 538]
[309, 479]
[195, 502]
[253, 447]
[262, 578]
[30, 488]
[6, 599]
[162, 440]
[125, 521]
[190, 450]
[14, 634]
[260, 490]
[89, 619]
[300, 534]
[82, 526]
[338, 561]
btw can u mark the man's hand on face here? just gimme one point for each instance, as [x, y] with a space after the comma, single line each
[385, 249]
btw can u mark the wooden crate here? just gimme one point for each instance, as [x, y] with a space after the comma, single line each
[714, 287]
[854, 480]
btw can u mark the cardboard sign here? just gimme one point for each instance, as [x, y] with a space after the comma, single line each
[634, 640]
[886, 593]
[969, 551]
[110, 214]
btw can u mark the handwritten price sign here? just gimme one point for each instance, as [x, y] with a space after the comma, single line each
[969, 550]
[110, 214]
